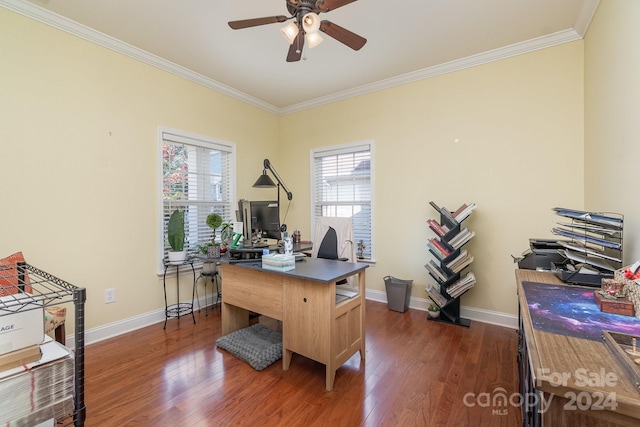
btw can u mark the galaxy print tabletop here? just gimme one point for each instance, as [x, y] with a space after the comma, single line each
[572, 311]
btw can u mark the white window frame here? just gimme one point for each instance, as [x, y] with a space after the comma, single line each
[194, 140]
[346, 149]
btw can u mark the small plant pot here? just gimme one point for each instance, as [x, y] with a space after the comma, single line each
[208, 268]
[177, 257]
[213, 251]
[433, 314]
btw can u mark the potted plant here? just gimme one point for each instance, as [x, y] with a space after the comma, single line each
[213, 221]
[226, 233]
[433, 311]
[175, 236]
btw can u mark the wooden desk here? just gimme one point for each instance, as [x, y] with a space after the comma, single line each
[313, 324]
[578, 380]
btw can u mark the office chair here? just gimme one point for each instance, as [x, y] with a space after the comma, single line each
[334, 237]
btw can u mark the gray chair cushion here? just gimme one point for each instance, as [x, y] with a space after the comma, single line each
[257, 345]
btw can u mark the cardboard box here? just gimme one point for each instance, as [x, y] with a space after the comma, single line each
[621, 306]
[278, 262]
[22, 328]
[19, 357]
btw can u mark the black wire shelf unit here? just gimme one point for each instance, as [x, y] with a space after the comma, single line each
[46, 290]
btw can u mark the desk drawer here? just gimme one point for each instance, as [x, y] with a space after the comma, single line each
[252, 290]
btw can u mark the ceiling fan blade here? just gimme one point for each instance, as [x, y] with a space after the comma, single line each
[327, 5]
[343, 35]
[246, 23]
[295, 50]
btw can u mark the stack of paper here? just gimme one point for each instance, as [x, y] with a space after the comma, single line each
[461, 238]
[40, 390]
[435, 271]
[460, 262]
[462, 285]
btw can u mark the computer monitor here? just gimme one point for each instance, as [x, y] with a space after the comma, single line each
[265, 218]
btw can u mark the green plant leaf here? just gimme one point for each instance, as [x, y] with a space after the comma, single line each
[175, 230]
[214, 220]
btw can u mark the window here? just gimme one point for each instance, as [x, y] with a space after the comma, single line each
[342, 186]
[198, 177]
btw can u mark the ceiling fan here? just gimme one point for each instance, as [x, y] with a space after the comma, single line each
[306, 25]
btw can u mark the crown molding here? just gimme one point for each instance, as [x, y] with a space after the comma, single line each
[586, 16]
[54, 20]
[437, 70]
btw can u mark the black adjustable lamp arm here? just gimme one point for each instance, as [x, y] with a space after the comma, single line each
[267, 165]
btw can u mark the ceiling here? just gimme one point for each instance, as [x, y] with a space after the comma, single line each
[406, 40]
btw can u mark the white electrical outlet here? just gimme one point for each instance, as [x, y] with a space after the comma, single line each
[109, 295]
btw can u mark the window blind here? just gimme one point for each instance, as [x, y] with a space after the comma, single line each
[197, 178]
[342, 187]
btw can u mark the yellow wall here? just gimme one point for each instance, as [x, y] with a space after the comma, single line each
[517, 122]
[612, 125]
[78, 160]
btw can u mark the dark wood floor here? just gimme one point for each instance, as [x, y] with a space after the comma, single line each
[416, 373]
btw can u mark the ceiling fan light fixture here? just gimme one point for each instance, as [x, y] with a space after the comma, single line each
[311, 22]
[290, 32]
[313, 39]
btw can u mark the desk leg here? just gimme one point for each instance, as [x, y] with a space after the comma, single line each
[233, 318]
[286, 358]
[362, 287]
[330, 375]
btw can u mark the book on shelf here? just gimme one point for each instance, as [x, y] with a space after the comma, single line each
[460, 262]
[438, 251]
[440, 230]
[435, 252]
[435, 271]
[436, 296]
[459, 210]
[447, 216]
[461, 238]
[440, 247]
[462, 285]
[463, 212]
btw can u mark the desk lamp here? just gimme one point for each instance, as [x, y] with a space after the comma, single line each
[265, 182]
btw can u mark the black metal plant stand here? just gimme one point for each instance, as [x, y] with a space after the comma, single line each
[179, 308]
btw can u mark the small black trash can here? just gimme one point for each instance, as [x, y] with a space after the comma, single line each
[398, 293]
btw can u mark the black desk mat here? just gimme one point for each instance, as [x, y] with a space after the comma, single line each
[572, 311]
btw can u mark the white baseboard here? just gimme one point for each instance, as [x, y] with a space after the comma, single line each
[476, 314]
[123, 326]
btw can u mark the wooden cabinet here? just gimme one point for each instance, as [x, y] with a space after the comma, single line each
[568, 381]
